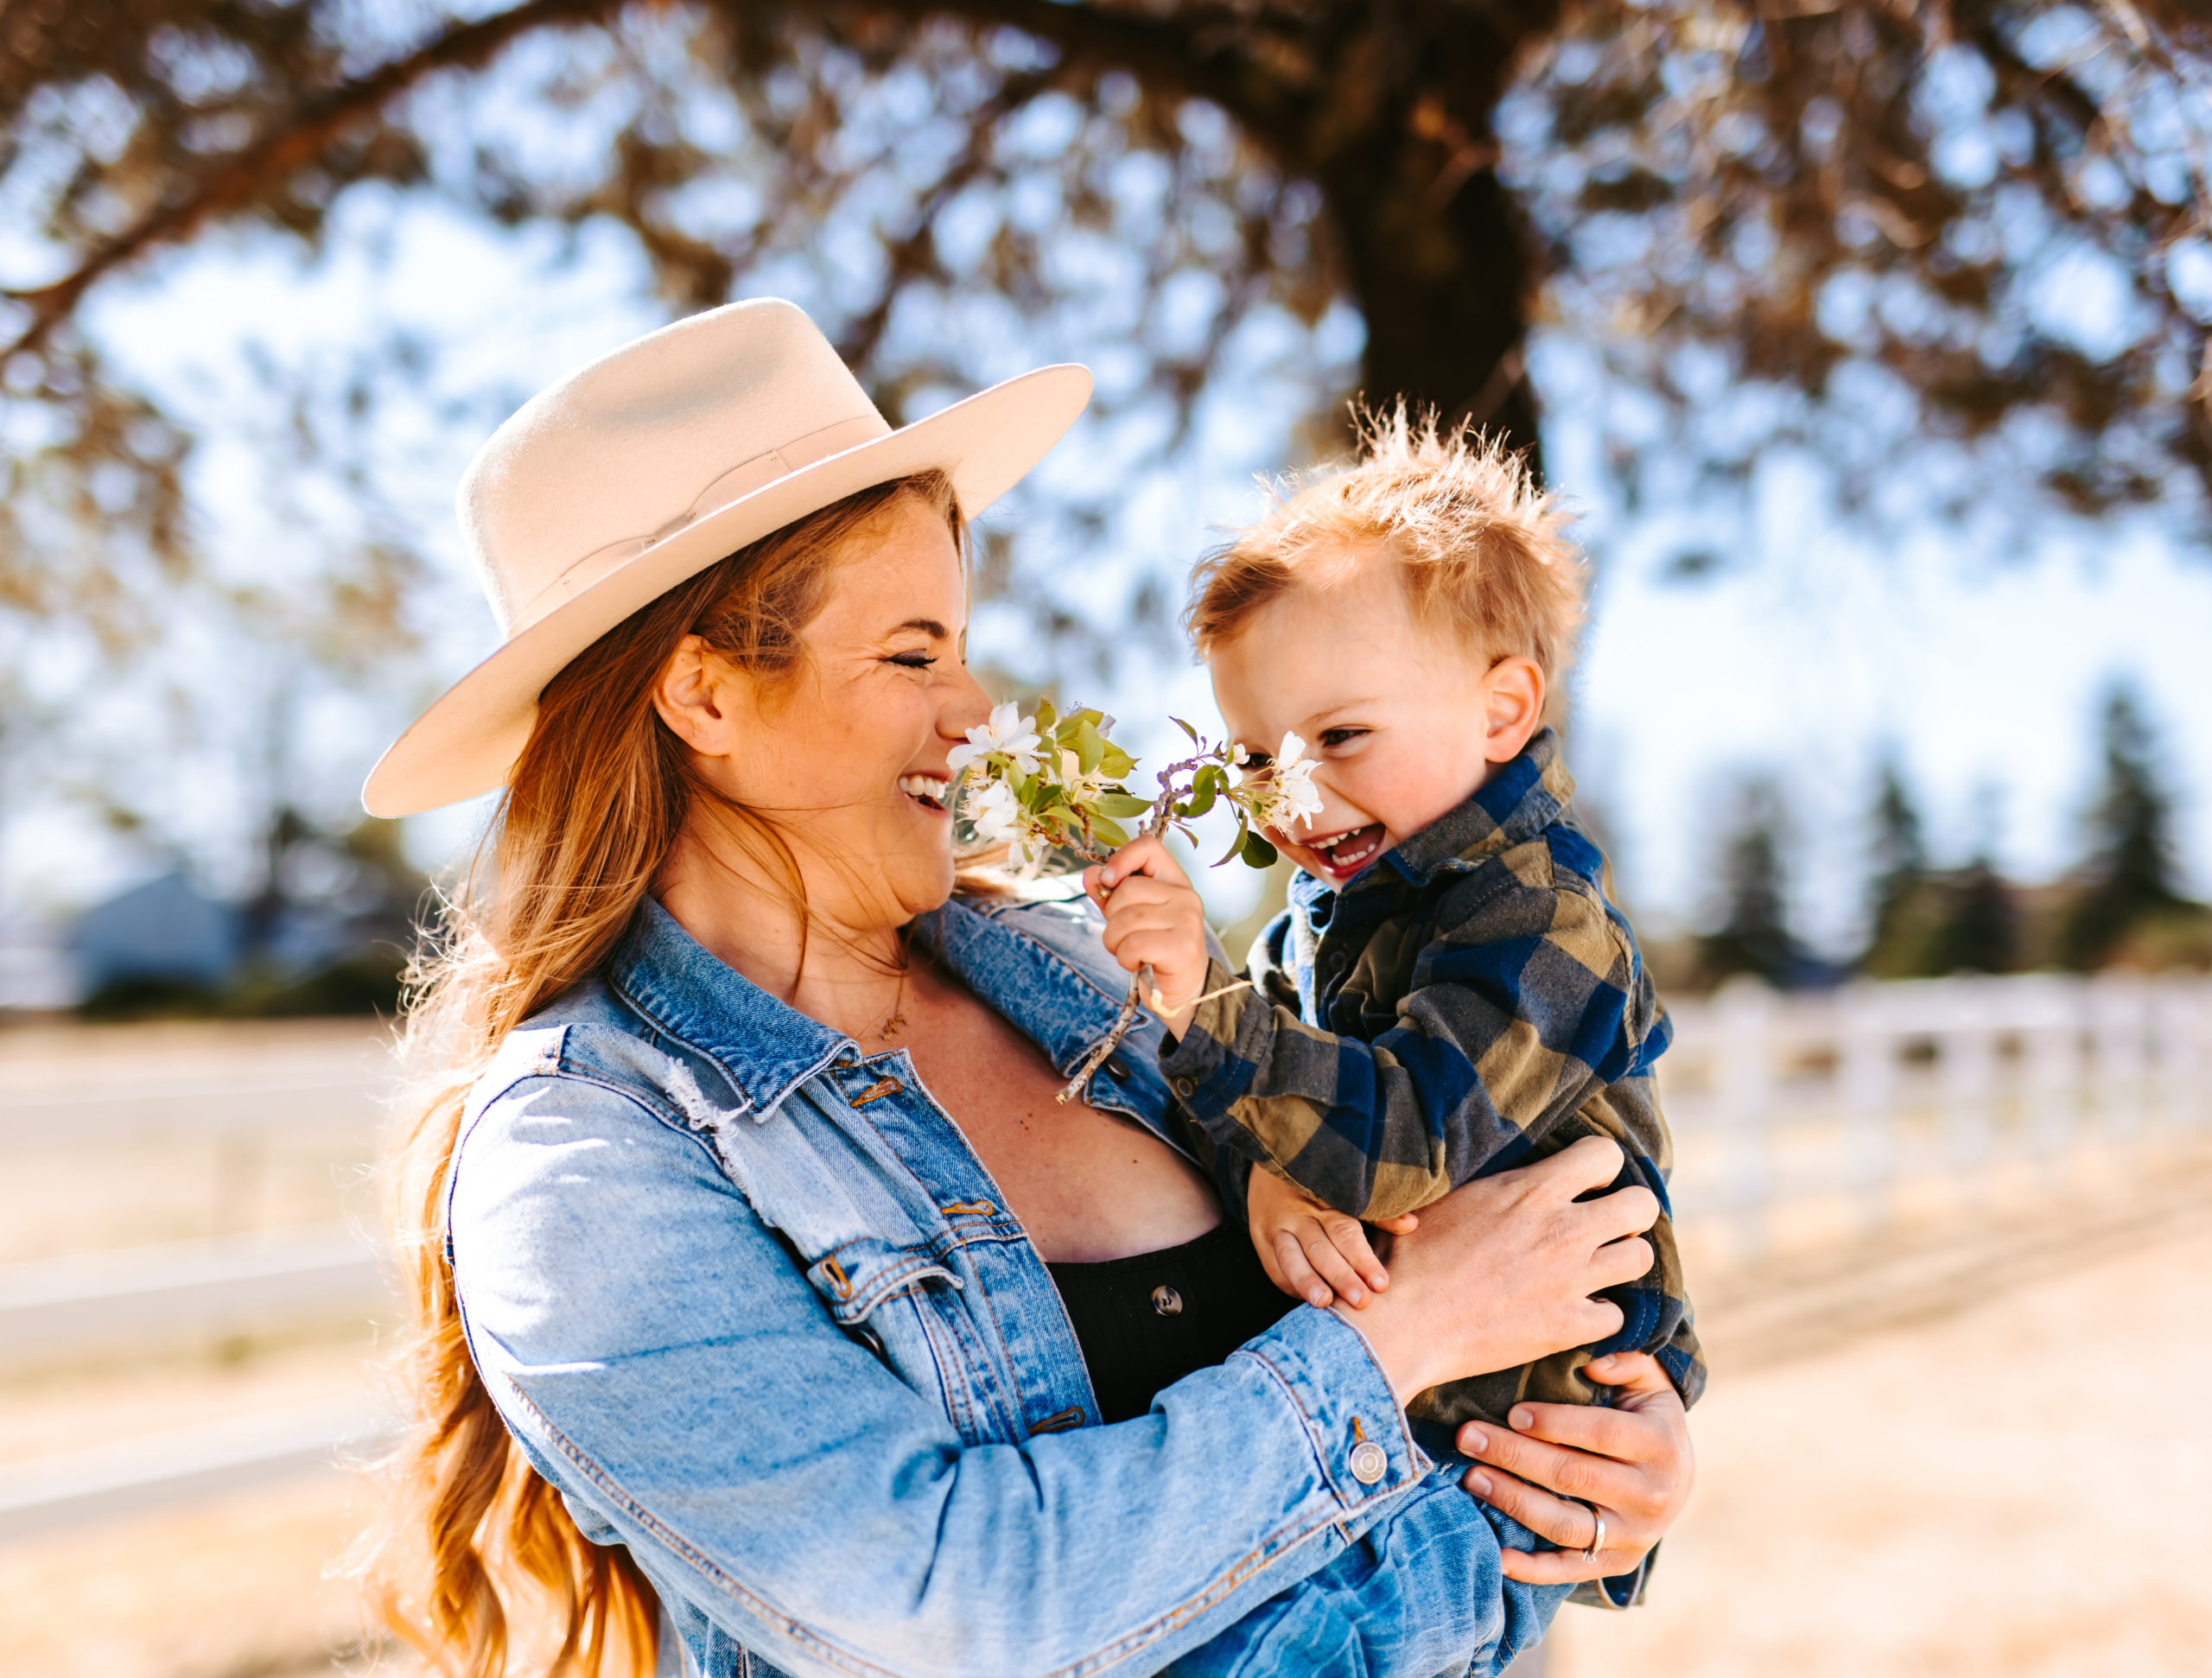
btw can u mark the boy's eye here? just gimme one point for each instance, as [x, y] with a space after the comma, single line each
[1339, 736]
[913, 660]
[1258, 761]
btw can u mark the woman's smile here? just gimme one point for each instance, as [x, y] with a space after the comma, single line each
[929, 792]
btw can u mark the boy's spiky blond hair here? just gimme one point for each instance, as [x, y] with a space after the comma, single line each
[1481, 550]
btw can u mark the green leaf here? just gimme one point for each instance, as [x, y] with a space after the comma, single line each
[1187, 729]
[1205, 787]
[1116, 763]
[1236, 845]
[1045, 715]
[1122, 804]
[1258, 852]
[1089, 749]
[1110, 831]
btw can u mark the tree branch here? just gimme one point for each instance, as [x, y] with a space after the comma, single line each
[1196, 51]
[242, 175]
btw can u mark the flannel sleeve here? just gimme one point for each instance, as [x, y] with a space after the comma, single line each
[1518, 1014]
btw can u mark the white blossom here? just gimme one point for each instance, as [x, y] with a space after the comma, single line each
[1290, 795]
[994, 809]
[1007, 731]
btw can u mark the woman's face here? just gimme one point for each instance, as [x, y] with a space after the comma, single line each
[847, 756]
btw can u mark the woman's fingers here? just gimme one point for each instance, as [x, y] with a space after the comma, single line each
[1559, 1469]
[1569, 1522]
[1566, 1566]
[1589, 1162]
[1621, 1261]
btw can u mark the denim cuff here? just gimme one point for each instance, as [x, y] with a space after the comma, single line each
[1360, 1437]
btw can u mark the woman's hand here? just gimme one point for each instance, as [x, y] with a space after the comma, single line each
[1633, 1462]
[1154, 917]
[1502, 1270]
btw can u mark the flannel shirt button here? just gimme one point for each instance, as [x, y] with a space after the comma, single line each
[1370, 1462]
[1185, 1088]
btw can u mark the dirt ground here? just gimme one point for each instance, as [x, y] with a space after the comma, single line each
[2023, 1486]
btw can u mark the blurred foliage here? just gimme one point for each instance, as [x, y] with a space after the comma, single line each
[1955, 254]
[2123, 906]
[1978, 223]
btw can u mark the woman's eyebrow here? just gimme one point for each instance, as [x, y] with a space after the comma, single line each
[927, 626]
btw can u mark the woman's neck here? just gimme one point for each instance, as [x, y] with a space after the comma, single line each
[841, 967]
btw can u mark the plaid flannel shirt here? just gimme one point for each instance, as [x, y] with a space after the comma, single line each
[1471, 1002]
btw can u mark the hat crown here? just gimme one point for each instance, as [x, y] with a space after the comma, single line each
[596, 467]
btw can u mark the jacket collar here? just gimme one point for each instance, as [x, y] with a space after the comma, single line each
[767, 1048]
[1513, 806]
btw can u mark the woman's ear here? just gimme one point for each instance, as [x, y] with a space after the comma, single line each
[1513, 707]
[697, 697]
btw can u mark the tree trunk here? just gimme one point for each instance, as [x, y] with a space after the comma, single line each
[1435, 250]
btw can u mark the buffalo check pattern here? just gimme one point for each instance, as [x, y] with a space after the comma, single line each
[1473, 1001]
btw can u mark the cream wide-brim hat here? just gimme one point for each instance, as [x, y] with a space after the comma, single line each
[607, 490]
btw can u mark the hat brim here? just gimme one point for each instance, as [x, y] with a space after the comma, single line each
[467, 742]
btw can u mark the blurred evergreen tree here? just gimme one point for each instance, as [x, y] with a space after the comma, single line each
[2131, 876]
[1753, 935]
[1980, 931]
[1903, 912]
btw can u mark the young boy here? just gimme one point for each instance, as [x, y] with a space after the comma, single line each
[1451, 993]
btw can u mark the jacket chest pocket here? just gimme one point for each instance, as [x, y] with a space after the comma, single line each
[909, 1308]
[856, 1276]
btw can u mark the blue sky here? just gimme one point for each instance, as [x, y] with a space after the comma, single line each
[1803, 657]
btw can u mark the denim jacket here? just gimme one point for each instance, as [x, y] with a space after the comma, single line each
[747, 1300]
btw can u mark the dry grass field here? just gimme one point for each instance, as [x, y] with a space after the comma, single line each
[1965, 1456]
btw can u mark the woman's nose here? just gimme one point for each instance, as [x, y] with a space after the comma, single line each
[966, 705]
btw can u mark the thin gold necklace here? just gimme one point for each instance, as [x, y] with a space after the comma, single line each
[897, 1022]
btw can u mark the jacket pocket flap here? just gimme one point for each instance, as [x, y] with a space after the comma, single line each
[857, 1276]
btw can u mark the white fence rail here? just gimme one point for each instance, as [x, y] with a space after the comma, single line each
[1798, 1118]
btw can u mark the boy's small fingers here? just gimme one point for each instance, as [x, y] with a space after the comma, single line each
[1335, 1268]
[1351, 1241]
[1297, 1273]
[1403, 1224]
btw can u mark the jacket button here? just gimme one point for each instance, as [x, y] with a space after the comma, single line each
[1185, 1088]
[1370, 1462]
[1167, 1301]
[1116, 1070]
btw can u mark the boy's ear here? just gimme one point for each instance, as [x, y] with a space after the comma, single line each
[1513, 707]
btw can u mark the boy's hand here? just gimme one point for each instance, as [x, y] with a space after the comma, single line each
[1313, 1251]
[1153, 916]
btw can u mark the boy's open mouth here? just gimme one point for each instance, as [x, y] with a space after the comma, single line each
[927, 790]
[1346, 851]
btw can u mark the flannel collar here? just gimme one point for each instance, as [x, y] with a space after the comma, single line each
[1513, 806]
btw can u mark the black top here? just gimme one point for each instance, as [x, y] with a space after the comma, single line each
[1146, 1322]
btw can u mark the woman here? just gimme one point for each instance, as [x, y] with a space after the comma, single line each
[730, 1221]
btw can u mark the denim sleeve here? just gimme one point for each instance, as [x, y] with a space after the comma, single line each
[670, 1370]
[1419, 1595]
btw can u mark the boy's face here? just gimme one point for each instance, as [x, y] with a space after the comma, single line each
[1405, 722]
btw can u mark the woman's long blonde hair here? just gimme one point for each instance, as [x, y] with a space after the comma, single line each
[590, 814]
